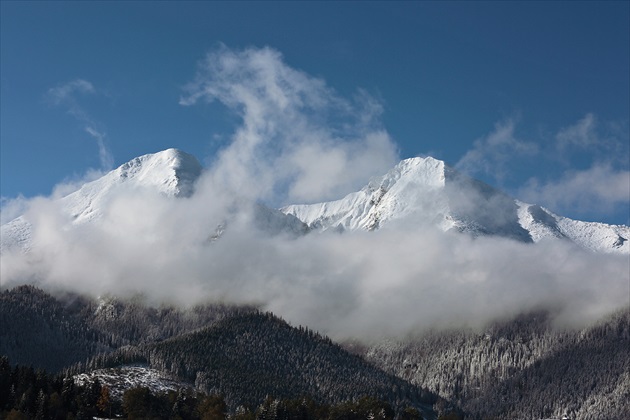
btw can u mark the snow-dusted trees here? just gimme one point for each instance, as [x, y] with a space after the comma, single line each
[521, 368]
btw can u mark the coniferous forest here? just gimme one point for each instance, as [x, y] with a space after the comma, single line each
[239, 362]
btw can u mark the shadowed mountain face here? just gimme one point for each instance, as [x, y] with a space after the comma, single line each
[482, 210]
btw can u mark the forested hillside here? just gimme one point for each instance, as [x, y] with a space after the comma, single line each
[240, 353]
[257, 354]
[54, 332]
[41, 331]
[523, 368]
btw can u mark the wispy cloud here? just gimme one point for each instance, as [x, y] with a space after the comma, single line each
[67, 96]
[491, 155]
[299, 140]
[582, 134]
[600, 189]
[66, 93]
[10, 208]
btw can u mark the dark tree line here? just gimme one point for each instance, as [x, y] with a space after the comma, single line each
[26, 393]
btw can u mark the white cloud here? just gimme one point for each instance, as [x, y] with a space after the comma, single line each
[490, 155]
[582, 134]
[299, 140]
[600, 188]
[389, 282]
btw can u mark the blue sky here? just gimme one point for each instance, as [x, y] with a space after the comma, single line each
[530, 97]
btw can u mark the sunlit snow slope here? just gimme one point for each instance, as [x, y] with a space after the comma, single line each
[425, 191]
[171, 173]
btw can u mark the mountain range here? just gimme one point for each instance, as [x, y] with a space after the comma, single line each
[416, 192]
[523, 366]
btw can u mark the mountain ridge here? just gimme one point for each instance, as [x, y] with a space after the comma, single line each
[416, 192]
[171, 173]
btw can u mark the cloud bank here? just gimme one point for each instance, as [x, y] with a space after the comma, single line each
[300, 141]
[392, 282]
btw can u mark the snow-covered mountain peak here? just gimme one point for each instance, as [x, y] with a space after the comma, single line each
[172, 171]
[426, 191]
[420, 191]
[410, 187]
[425, 171]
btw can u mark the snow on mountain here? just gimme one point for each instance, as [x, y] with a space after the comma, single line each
[171, 173]
[420, 191]
[273, 221]
[123, 378]
[599, 237]
[15, 234]
[416, 192]
[425, 191]
[402, 191]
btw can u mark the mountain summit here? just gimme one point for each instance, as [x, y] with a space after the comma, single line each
[170, 172]
[426, 191]
[416, 192]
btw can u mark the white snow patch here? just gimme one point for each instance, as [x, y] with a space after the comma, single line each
[120, 379]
